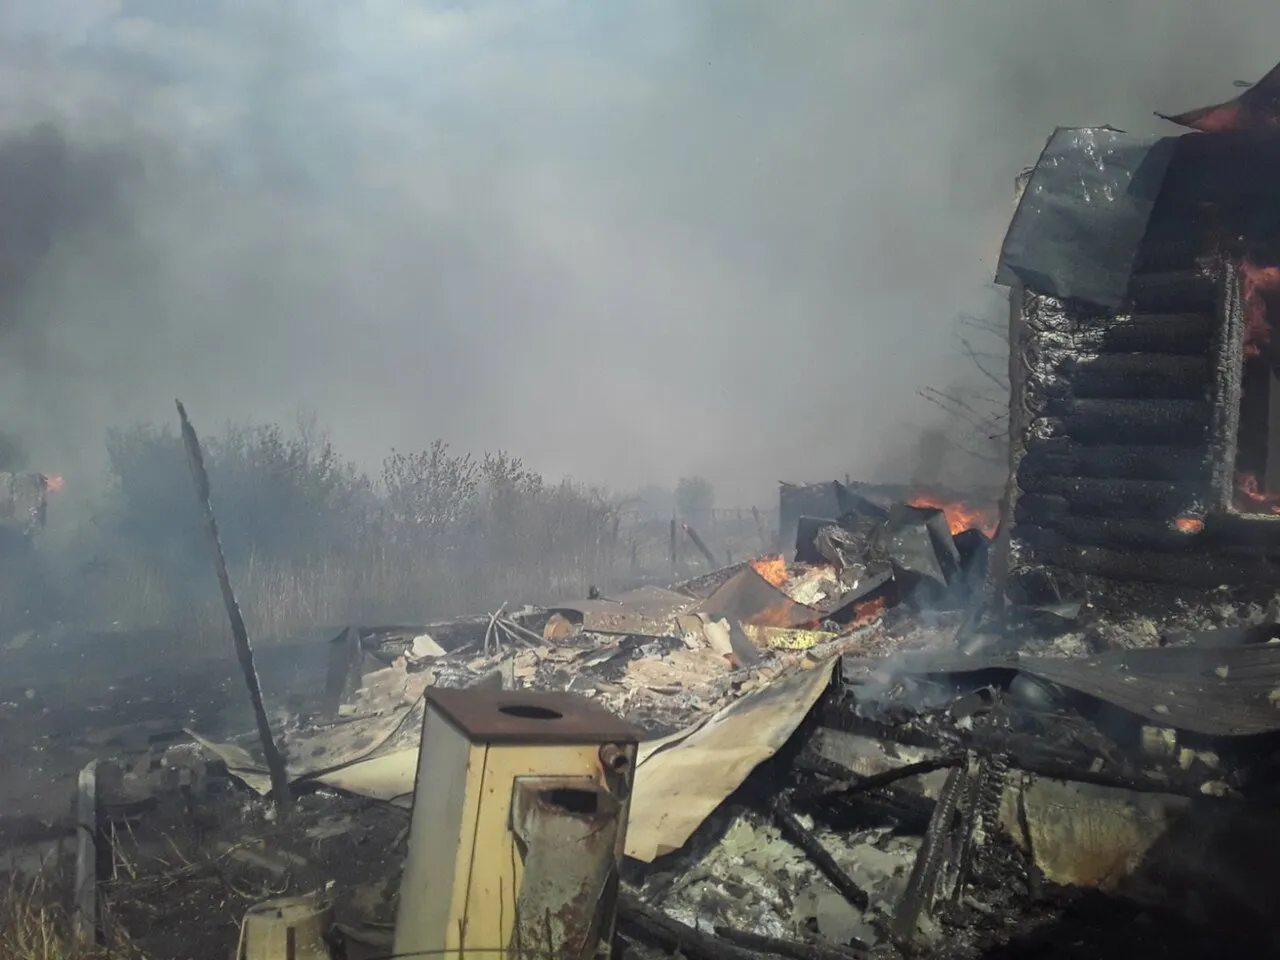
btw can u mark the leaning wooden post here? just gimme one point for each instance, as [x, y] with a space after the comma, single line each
[701, 545]
[239, 633]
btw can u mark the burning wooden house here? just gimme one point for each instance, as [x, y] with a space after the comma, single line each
[1145, 350]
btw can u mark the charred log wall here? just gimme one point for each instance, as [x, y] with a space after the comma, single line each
[1128, 430]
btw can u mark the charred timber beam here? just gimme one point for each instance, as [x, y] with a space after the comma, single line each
[1177, 255]
[1183, 290]
[1107, 385]
[1193, 569]
[1127, 376]
[1053, 532]
[1084, 495]
[1138, 422]
[1248, 531]
[1066, 459]
[1035, 508]
[1180, 334]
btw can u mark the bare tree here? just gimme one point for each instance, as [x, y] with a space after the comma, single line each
[977, 405]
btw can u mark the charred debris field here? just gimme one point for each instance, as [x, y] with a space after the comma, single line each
[1043, 721]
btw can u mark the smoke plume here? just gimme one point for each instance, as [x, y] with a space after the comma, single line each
[626, 241]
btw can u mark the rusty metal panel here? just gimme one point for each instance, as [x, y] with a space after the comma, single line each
[568, 829]
[751, 599]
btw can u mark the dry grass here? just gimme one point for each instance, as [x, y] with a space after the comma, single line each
[34, 927]
[395, 583]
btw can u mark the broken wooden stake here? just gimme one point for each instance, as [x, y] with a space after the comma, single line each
[764, 541]
[239, 632]
[86, 892]
[701, 545]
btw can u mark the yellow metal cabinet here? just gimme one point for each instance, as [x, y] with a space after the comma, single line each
[519, 826]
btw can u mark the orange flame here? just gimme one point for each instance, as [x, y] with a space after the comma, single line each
[1254, 282]
[54, 483]
[1250, 498]
[772, 568]
[1189, 524]
[864, 612]
[960, 516]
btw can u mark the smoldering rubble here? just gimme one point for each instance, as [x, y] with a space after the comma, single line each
[825, 772]
[927, 726]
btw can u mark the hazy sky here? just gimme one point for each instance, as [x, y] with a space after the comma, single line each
[625, 239]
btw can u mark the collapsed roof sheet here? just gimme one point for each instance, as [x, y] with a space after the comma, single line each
[1077, 228]
[1258, 108]
[1216, 691]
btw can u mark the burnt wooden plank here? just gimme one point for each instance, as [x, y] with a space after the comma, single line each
[1189, 569]
[1059, 531]
[1189, 334]
[1184, 290]
[1064, 458]
[1127, 376]
[1140, 496]
[1139, 422]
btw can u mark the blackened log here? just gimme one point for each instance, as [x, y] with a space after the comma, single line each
[1094, 496]
[1155, 412]
[1047, 533]
[1186, 334]
[1245, 530]
[1194, 569]
[1185, 291]
[1064, 458]
[1139, 422]
[1177, 250]
[1128, 375]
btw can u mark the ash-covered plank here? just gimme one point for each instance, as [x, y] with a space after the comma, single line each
[1197, 568]
[1182, 334]
[1139, 422]
[1126, 376]
[1183, 290]
[1064, 458]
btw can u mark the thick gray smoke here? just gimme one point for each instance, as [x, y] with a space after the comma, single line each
[628, 241]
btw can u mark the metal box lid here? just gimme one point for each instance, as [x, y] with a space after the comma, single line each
[528, 716]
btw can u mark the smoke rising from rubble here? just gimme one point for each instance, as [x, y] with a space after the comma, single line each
[625, 241]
